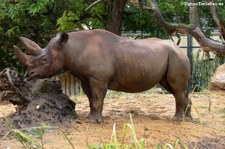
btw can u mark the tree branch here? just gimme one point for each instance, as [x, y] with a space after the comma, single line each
[86, 13]
[92, 5]
[206, 43]
[219, 22]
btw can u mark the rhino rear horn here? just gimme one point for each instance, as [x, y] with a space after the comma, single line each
[23, 58]
[30, 45]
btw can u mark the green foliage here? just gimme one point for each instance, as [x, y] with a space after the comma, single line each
[98, 21]
[222, 111]
[30, 139]
[71, 15]
[39, 7]
[34, 138]
[66, 22]
[167, 7]
[203, 69]
[137, 20]
[221, 10]
[206, 17]
[26, 140]
[23, 18]
[177, 144]
[174, 10]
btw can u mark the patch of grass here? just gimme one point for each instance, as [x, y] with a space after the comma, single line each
[134, 143]
[177, 144]
[26, 141]
[29, 138]
[76, 100]
[37, 134]
[203, 107]
[222, 111]
[199, 116]
[155, 90]
[115, 94]
[66, 137]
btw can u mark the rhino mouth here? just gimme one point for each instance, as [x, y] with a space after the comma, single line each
[29, 77]
[32, 75]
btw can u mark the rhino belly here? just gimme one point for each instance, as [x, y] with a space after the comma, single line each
[132, 84]
[131, 88]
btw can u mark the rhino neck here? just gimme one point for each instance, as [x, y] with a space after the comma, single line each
[72, 52]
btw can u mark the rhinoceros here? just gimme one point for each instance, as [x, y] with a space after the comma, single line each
[102, 60]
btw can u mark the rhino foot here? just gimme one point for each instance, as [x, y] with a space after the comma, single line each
[95, 118]
[180, 117]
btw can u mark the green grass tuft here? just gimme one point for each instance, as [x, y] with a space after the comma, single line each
[134, 143]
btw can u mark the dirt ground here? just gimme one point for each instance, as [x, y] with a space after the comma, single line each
[151, 114]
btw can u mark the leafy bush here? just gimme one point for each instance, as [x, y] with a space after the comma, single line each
[204, 67]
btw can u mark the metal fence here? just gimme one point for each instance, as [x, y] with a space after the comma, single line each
[70, 84]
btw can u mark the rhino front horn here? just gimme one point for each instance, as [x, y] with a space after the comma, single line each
[30, 45]
[23, 58]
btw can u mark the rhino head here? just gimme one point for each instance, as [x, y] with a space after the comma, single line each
[43, 62]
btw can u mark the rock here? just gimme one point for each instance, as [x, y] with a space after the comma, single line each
[218, 80]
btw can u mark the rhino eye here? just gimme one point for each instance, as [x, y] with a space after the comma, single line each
[44, 59]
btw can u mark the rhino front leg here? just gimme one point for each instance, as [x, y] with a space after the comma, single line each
[96, 91]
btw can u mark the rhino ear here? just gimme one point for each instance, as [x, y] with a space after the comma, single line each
[63, 38]
[23, 58]
[30, 45]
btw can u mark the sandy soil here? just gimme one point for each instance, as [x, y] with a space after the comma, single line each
[151, 116]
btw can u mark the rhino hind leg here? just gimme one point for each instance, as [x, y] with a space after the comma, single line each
[166, 85]
[182, 101]
[183, 106]
[95, 92]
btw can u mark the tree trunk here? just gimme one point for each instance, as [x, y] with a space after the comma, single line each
[219, 21]
[114, 16]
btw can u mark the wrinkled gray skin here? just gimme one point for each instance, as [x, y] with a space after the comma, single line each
[102, 60]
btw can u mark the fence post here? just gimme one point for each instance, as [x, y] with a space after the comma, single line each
[190, 56]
